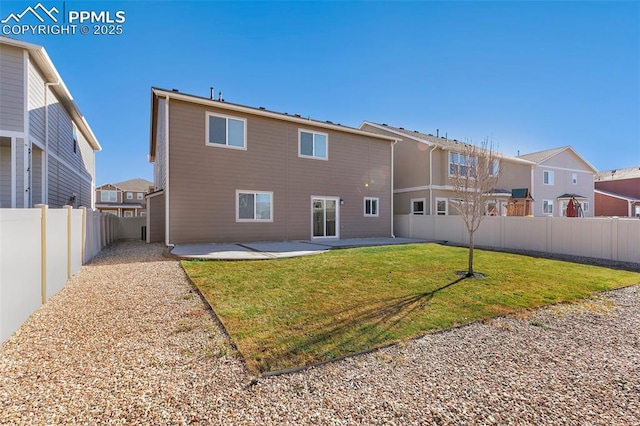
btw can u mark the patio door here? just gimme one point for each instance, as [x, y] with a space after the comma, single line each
[325, 216]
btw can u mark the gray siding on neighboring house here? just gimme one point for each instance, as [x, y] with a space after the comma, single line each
[203, 179]
[69, 174]
[21, 185]
[5, 172]
[36, 104]
[11, 88]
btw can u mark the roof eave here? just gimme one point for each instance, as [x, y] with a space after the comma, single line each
[51, 74]
[158, 92]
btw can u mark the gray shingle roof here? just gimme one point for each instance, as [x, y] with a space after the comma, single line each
[626, 173]
[540, 156]
[444, 143]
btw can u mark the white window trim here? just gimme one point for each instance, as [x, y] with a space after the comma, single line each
[129, 195]
[550, 203]
[585, 206]
[108, 191]
[313, 132]
[140, 196]
[446, 206]
[226, 145]
[551, 174]
[424, 206]
[574, 178]
[237, 201]
[377, 203]
[128, 213]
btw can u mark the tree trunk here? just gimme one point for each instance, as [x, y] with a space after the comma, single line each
[470, 268]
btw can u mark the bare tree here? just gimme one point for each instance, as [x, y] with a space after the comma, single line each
[475, 172]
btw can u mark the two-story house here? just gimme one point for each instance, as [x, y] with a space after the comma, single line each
[617, 192]
[560, 175]
[225, 172]
[123, 199]
[424, 167]
[47, 149]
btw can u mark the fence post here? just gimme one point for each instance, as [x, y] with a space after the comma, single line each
[69, 224]
[614, 238]
[84, 234]
[43, 251]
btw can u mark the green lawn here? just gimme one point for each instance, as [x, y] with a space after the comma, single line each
[293, 312]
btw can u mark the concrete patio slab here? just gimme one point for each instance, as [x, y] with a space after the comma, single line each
[277, 250]
[216, 252]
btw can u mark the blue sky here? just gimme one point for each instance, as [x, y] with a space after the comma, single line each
[529, 75]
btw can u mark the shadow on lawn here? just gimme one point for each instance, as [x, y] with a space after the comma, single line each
[358, 328]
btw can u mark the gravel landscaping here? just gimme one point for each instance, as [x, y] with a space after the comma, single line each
[129, 341]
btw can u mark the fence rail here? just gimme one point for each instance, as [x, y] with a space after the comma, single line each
[609, 238]
[41, 248]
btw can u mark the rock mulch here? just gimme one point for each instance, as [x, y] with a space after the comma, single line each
[128, 341]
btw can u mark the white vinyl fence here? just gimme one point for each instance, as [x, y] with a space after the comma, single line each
[40, 249]
[609, 238]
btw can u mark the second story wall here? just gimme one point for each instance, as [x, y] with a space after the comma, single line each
[203, 179]
[160, 164]
[12, 85]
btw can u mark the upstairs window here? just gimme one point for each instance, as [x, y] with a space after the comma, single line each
[140, 195]
[574, 178]
[312, 144]
[226, 131]
[547, 177]
[371, 207]
[108, 196]
[129, 195]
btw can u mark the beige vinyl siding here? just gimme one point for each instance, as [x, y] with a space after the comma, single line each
[204, 179]
[36, 104]
[11, 88]
[156, 219]
[514, 175]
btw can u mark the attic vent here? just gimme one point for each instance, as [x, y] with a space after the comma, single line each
[330, 122]
[384, 124]
[297, 115]
[262, 108]
[430, 134]
[174, 90]
[415, 131]
[455, 140]
[401, 128]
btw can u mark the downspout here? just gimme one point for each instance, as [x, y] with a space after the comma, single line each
[431, 179]
[46, 140]
[166, 159]
[392, 195]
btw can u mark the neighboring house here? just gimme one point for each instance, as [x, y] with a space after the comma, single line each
[124, 199]
[230, 173]
[423, 168]
[560, 175]
[47, 149]
[618, 192]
